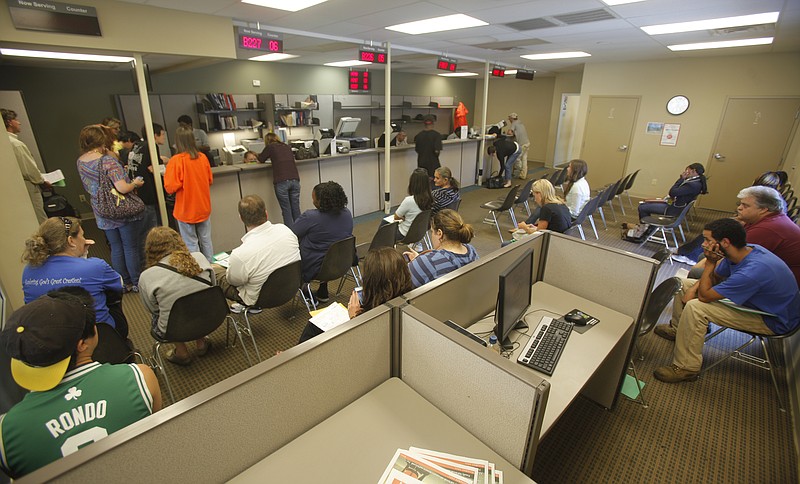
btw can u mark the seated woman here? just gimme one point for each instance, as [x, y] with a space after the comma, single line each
[419, 198]
[172, 272]
[446, 191]
[554, 214]
[576, 188]
[386, 277]
[56, 256]
[318, 229]
[451, 248]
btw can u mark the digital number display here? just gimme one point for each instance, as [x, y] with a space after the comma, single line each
[257, 43]
[446, 64]
[498, 71]
[376, 57]
[359, 81]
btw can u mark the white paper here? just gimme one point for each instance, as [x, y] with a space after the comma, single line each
[53, 177]
[390, 218]
[330, 317]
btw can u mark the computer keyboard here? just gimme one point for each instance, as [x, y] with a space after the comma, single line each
[546, 344]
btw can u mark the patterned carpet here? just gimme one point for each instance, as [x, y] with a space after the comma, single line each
[726, 427]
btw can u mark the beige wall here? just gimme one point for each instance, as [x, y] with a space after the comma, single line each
[708, 82]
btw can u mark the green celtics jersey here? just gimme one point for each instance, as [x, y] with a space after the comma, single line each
[91, 402]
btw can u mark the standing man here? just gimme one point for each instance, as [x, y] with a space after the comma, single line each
[139, 165]
[428, 145]
[748, 275]
[74, 400]
[27, 165]
[521, 135]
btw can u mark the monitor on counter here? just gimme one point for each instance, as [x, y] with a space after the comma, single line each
[347, 127]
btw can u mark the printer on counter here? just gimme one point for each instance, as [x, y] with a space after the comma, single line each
[327, 137]
[233, 154]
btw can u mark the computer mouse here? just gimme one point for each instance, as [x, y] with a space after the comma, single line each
[575, 319]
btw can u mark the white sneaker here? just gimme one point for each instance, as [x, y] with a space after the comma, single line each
[237, 308]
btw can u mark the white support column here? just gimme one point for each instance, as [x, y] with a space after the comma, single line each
[482, 133]
[387, 129]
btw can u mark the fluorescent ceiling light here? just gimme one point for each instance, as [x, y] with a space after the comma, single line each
[347, 63]
[458, 74]
[288, 5]
[272, 57]
[620, 2]
[714, 23]
[721, 45]
[64, 55]
[438, 24]
[511, 71]
[556, 55]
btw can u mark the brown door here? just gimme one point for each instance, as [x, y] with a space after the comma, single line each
[753, 138]
[609, 131]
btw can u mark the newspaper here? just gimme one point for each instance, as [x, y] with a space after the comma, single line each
[419, 468]
[330, 317]
[484, 475]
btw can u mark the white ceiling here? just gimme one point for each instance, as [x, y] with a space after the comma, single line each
[615, 39]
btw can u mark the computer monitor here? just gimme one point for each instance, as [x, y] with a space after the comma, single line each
[513, 297]
[347, 127]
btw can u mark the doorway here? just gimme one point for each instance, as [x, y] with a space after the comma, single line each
[609, 131]
[754, 137]
[567, 121]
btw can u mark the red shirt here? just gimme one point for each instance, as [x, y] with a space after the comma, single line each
[190, 181]
[777, 233]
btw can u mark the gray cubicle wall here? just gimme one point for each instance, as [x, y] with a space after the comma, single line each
[475, 294]
[215, 434]
[499, 403]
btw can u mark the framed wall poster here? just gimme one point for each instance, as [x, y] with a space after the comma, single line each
[669, 136]
[654, 128]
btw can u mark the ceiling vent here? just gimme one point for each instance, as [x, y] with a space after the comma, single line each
[585, 17]
[532, 24]
[744, 28]
[511, 45]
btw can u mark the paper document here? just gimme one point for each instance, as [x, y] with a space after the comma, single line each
[390, 218]
[330, 317]
[53, 177]
[222, 259]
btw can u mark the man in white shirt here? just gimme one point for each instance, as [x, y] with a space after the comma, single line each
[27, 165]
[521, 135]
[265, 248]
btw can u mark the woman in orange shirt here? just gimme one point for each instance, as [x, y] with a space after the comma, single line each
[189, 177]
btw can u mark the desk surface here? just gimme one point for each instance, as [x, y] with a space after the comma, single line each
[358, 442]
[583, 354]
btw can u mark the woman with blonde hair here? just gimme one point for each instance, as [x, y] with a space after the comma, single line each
[189, 177]
[554, 215]
[451, 248]
[284, 176]
[172, 272]
[97, 160]
[57, 256]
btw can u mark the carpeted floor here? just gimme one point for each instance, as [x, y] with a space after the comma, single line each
[726, 427]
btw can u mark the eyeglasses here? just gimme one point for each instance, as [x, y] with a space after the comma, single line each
[67, 225]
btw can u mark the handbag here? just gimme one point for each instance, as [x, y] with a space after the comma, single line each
[495, 181]
[111, 204]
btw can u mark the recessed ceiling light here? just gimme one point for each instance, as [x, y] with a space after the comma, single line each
[721, 44]
[556, 55]
[620, 2]
[347, 63]
[510, 72]
[272, 57]
[714, 23]
[290, 5]
[438, 24]
[458, 74]
[65, 55]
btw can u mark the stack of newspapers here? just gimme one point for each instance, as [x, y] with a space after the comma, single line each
[421, 465]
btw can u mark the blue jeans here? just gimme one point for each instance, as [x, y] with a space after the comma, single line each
[198, 237]
[509, 165]
[658, 208]
[288, 195]
[125, 248]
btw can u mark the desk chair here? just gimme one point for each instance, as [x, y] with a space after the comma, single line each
[454, 204]
[497, 206]
[656, 304]
[113, 348]
[418, 231]
[586, 212]
[337, 262]
[524, 195]
[764, 363]
[628, 185]
[620, 190]
[282, 285]
[192, 317]
[605, 194]
[666, 224]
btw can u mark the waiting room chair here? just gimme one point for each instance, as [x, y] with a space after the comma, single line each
[192, 317]
[612, 193]
[765, 363]
[605, 194]
[791, 203]
[666, 224]
[454, 204]
[282, 285]
[586, 212]
[384, 237]
[497, 206]
[794, 214]
[418, 231]
[113, 348]
[621, 189]
[628, 185]
[661, 255]
[335, 265]
[524, 195]
[657, 302]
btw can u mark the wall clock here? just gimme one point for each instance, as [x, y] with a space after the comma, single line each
[677, 105]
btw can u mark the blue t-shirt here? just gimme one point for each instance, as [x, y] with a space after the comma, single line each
[316, 231]
[93, 274]
[436, 263]
[764, 282]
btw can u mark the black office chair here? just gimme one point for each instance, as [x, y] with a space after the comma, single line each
[337, 261]
[384, 237]
[605, 194]
[628, 185]
[282, 286]
[192, 317]
[657, 302]
[664, 224]
[113, 348]
[794, 214]
[661, 255]
[497, 206]
[524, 195]
[621, 189]
[418, 230]
[586, 212]
[454, 204]
[609, 199]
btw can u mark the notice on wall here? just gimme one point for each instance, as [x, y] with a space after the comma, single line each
[669, 135]
[654, 128]
[49, 16]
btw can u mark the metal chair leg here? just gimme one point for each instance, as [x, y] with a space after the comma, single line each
[497, 226]
[643, 403]
[603, 217]
[250, 332]
[772, 374]
[591, 221]
[159, 362]
[621, 206]
[513, 216]
[580, 229]
[613, 212]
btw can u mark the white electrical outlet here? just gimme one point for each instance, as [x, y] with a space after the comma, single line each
[256, 83]
[654, 181]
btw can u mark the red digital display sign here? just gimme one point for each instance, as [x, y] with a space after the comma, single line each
[368, 56]
[446, 64]
[359, 81]
[259, 40]
[498, 71]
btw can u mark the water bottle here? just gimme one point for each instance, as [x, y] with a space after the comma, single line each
[493, 344]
